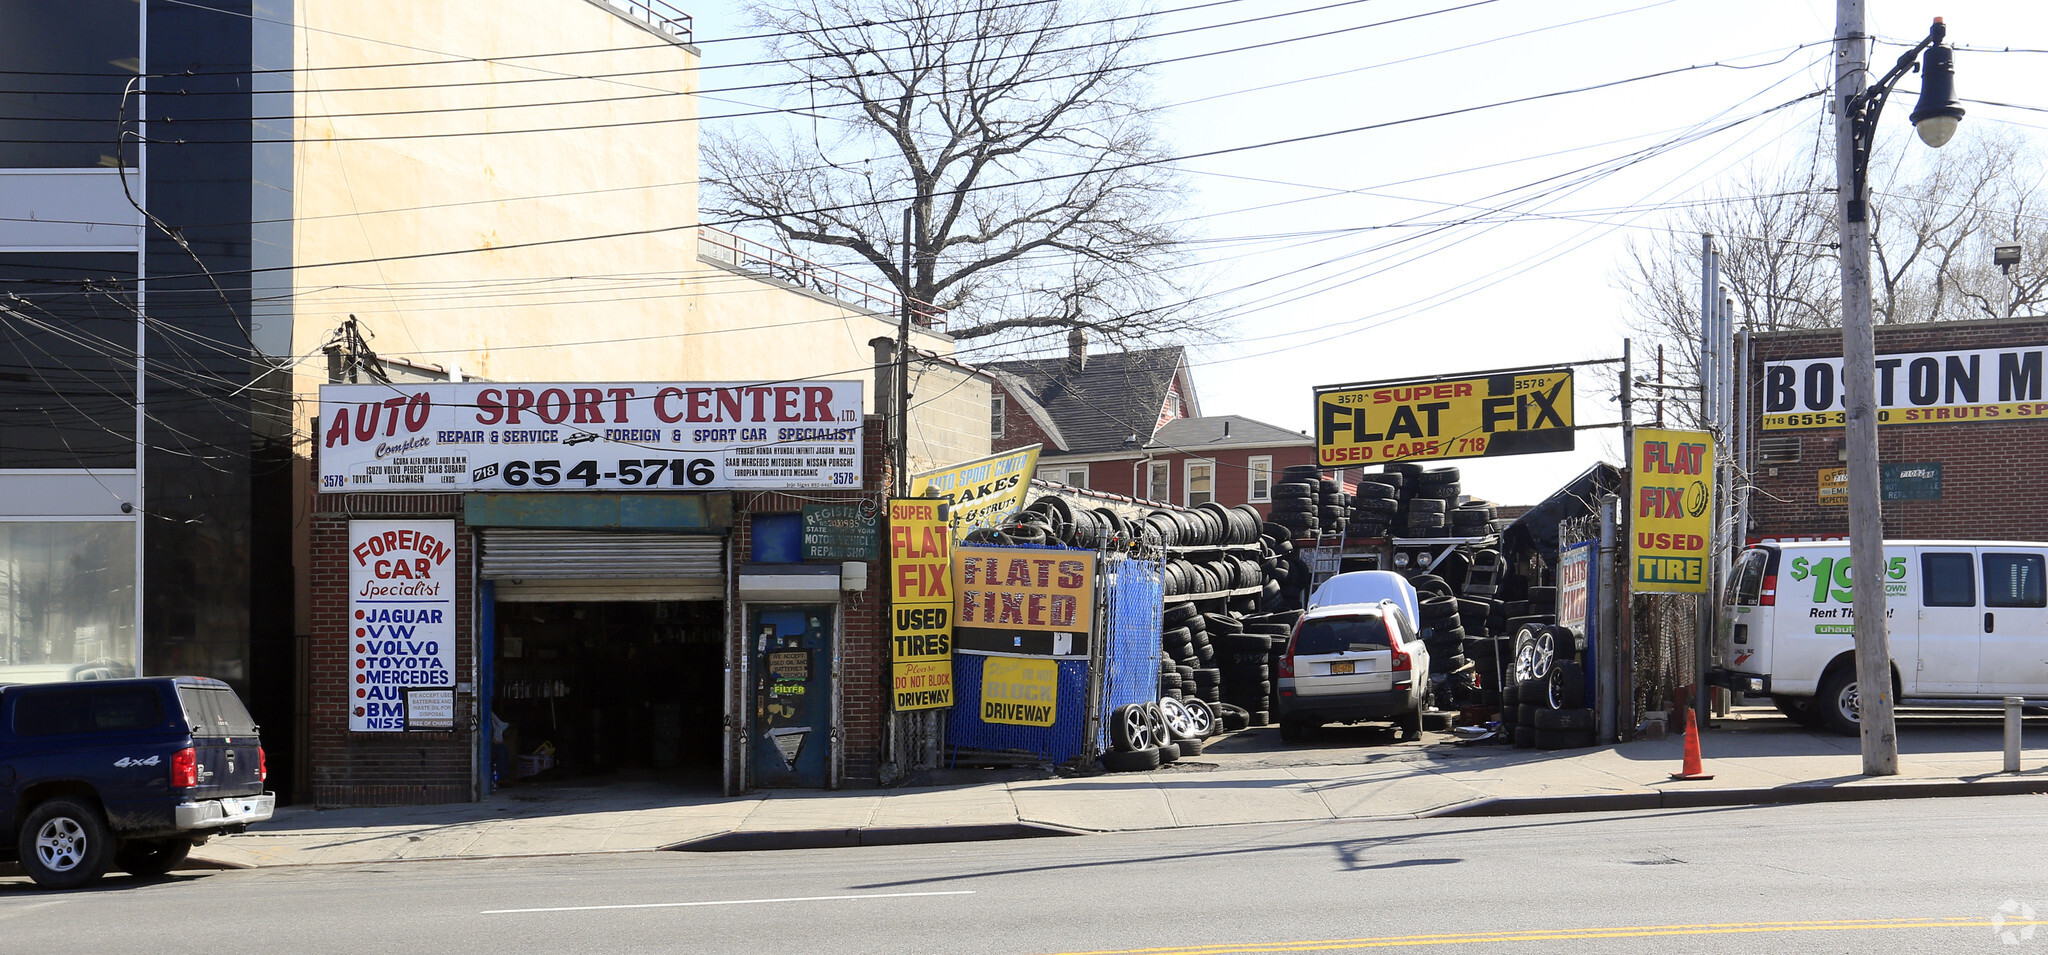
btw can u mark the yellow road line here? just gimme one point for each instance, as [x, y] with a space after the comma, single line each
[1571, 934]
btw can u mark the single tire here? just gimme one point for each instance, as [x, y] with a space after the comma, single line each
[1581, 719]
[1189, 747]
[1525, 714]
[149, 858]
[64, 844]
[1233, 717]
[1169, 753]
[1178, 723]
[1566, 688]
[1836, 703]
[1203, 718]
[1525, 737]
[1561, 739]
[1133, 761]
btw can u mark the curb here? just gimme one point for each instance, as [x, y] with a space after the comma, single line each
[871, 836]
[1707, 798]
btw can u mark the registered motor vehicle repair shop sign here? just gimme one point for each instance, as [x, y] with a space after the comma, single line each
[1522, 412]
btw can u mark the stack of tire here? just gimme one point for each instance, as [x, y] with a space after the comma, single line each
[1472, 519]
[1144, 736]
[1548, 693]
[1187, 656]
[1248, 666]
[1297, 506]
[1334, 510]
[1054, 521]
[1443, 632]
[1375, 505]
[1436, 494]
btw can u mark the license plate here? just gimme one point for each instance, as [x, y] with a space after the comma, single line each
[1342, 667]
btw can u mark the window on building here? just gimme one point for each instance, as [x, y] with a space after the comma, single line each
[996, 411]
[2014, 580]
[1261, 474]
[67, 610]
[1948, 580]
[1072, 475]
[68, 64]
[67, 394]
[1200, 482]
[1159, 481]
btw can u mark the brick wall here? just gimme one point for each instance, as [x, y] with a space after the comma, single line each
[1989, 485]
[1019, 429]
[379, 769]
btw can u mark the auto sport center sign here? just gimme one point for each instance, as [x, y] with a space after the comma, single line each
[401, 615]
[1523, 412]
[580, 436]
[1972, 385]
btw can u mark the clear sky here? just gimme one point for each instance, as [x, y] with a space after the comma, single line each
[1490, 239]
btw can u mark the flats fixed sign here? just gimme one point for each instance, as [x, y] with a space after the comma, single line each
[1435, 419]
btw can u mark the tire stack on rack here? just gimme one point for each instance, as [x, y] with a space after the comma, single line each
[1472, 519]
[1450, 673]
[1548, 693]
[1334, 511]
[1297, 506]
[1436, 493]
[1405, 479]
[1375, 503]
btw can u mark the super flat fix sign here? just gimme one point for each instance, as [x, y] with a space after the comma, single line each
[1438, 419]
[579, 436]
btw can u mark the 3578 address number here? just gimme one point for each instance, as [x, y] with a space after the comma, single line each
[681, 472]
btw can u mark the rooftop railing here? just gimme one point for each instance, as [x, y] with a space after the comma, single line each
[747, 255]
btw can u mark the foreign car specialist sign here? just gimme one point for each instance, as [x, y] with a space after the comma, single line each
[580, 436]
[1671, 490]
[1983, 384]
[401, 597]
[1023, 600]
[920, 605]
[983, 491]
[1444, 418]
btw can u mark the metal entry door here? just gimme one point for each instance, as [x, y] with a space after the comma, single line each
[791, 712]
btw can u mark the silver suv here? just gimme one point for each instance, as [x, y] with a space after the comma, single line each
[1351, 663]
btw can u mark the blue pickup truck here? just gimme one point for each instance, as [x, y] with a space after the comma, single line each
[127, 774]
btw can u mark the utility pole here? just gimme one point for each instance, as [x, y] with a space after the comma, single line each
[1859, 403]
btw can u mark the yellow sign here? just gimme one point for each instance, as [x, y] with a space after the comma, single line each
[1671, 478]
[1439, 419]
[983, 491]
[920, 604]
[1019, 588]
[1019, 691]
[1834, 486]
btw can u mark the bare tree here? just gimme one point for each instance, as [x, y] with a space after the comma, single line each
[1017, 132]
[1935, 218]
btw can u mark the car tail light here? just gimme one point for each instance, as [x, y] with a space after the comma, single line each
[262, 765]
[1768, 595]
[185, 769]
[1402, 661]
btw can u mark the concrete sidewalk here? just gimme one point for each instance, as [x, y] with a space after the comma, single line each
[1242, 779]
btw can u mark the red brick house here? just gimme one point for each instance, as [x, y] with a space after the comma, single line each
[1962, 409]
[1129, 423]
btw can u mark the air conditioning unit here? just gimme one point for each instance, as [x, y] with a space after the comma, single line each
[1778, 449]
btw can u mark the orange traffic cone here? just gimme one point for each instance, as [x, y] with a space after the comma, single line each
[1692, 768]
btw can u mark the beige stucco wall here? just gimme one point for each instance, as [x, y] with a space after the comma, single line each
[949, 416]
[565, 254]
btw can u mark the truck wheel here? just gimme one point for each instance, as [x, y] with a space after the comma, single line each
[1835, 704]
[151, 857]
[64, 844]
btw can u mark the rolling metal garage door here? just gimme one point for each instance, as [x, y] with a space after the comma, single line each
[549, 564]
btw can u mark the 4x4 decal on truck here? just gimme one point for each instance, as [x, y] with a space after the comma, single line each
[1832, 571]
[127, 761]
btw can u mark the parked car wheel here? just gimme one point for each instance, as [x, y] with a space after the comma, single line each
[151, 857]
[64, 844]
[1836, 703]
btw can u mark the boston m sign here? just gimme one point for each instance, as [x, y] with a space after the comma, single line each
[1516, 412]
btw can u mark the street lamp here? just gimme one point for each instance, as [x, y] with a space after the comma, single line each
[1935, 117]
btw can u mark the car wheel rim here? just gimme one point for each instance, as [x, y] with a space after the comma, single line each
[1176, 715]
[60, 844]
[1200, 716]
[1848, 703]
[1136, 727]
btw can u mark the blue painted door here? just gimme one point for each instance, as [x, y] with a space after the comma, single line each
[791, 722]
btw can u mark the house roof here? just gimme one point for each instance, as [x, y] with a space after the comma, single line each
[1229, 431]
[1019, 392]
[1113, 396]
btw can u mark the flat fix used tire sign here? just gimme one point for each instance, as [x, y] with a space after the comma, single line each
[1671, 481]
[920, 605]
[1437, 419]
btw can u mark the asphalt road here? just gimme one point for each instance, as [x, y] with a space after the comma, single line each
[1910, 876]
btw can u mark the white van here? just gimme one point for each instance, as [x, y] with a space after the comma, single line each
[1968, 620]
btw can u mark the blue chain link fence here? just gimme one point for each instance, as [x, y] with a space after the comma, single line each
[1133, 592]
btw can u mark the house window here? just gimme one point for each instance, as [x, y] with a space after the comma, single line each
[1072, 475]
[1159, 481]
[995, 416]
[1200, 481]
[1261, 474]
